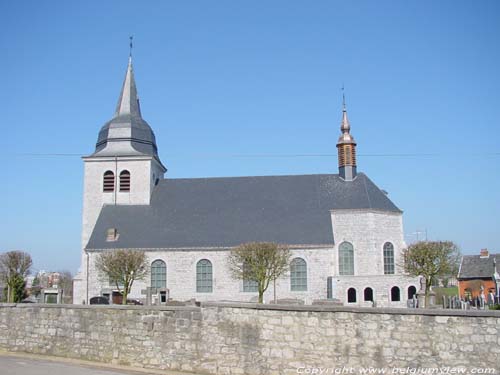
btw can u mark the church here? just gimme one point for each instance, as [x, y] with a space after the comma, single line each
[344, 233]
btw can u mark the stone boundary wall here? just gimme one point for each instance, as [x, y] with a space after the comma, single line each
[235, 338]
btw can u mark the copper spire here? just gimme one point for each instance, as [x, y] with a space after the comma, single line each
[346, 147]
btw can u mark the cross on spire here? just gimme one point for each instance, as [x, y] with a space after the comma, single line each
[343, 97]
[131, 38]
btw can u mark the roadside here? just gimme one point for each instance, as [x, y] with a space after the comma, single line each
[16, 363]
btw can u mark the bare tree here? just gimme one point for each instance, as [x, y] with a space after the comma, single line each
[14, 266]
[66, 284]
[122, 268]
[261, 262]
[431, 260]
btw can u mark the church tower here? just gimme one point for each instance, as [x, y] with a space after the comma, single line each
[346, 147]
[125, 167]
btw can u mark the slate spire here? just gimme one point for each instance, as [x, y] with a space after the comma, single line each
[128, 102]
[346, 147]
[127, 133]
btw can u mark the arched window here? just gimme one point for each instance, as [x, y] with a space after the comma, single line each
[395, 294]
[368, 294]
[204, 276]
[249, 285]
[388, 258]
[108, 182]
[158, 274]
[346, 259]
[351, 295]
[298, 275]
[411, 291]
[125, 181]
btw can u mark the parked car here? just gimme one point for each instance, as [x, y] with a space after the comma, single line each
[100, 300]
[134, 302]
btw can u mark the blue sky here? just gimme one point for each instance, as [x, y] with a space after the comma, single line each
[223, 82]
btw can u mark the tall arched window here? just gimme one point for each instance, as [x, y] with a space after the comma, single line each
[249, 285]
[395, 294]
[204, 276]
[388, 258]
[346, 259]
[298, 275]
[108, 182]
[351, 295]
[158, 274]
[125, 181]
[368, 294]
[411, 291]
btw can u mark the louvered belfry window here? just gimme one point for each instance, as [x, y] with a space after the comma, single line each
[108, 182]
[125, 181]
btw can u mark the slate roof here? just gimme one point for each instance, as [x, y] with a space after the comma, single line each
[475, 267]
[225, 212]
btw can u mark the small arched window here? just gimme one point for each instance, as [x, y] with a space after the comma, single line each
[108, 182]
[411, 291]
[368, 294]
[388, 258]
[298, 275]
[351, 295]
[158, 274]
[346, 259]
[125, 181]
[204, 276]
[395, 294]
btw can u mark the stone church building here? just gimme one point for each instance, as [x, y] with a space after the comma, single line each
[345, 234]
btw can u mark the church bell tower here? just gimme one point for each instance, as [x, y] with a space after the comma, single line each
[125, 167]
[346, 147]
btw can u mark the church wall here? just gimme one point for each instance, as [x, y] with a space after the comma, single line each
[368, 231]
[181, 277]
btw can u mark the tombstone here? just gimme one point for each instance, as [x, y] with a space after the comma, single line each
[491, 298]
[148, 292]
[432, 298]
[50, 295]
[421, 300]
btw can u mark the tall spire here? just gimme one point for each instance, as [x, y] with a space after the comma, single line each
[128, 102]
[127, 133]
[346, 146]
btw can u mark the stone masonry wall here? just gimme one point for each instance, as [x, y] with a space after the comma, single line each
[256, 339]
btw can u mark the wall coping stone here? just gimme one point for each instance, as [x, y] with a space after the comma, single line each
[361, 310]
[257, 306]
[103, 307]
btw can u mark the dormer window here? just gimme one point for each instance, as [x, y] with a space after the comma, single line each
[125, 181]
[108, 183]
[112, 235]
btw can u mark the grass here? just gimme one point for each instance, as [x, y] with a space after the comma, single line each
[448, 292]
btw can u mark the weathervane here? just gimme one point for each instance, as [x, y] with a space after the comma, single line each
[343, 96]
[131, 44]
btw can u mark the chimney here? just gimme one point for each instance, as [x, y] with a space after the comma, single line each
[484, 253]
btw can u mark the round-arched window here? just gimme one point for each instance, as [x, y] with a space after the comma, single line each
[108, 182]
[124, 181]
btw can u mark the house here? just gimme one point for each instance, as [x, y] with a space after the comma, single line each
[345, 234]
[479, 273]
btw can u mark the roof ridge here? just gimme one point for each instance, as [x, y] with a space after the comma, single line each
[252, 176]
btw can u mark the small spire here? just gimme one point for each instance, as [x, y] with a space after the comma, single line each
[128, 102]
[345, 127]
[346, 146]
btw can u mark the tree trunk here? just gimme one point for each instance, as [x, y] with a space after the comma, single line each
[261, 296]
